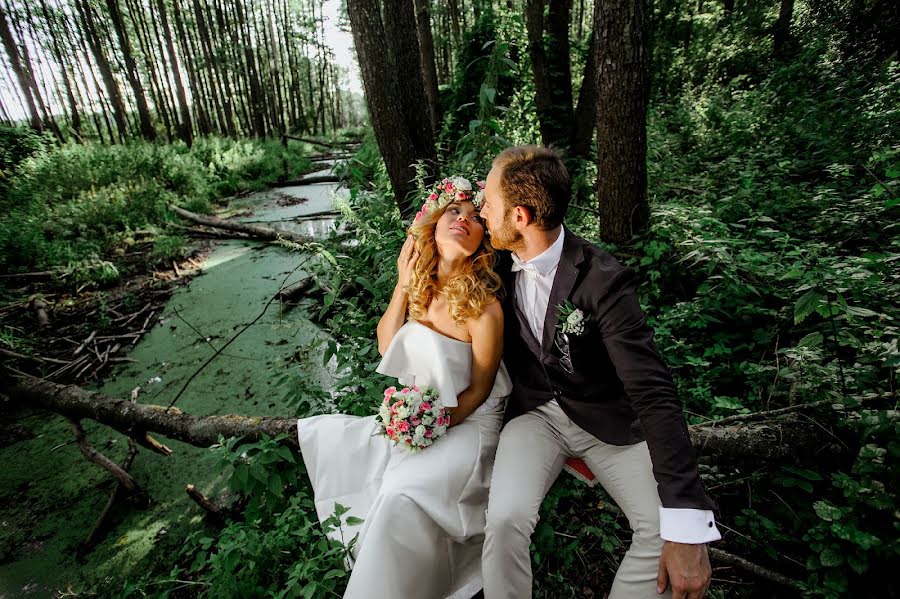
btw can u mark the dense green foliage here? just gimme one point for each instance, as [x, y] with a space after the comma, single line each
[68, 206]
[769, 273]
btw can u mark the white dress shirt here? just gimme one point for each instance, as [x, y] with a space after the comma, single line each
[534, 281]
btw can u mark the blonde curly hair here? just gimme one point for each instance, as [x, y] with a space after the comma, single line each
[467, 292]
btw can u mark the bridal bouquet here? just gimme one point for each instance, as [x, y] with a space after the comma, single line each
[411, 417]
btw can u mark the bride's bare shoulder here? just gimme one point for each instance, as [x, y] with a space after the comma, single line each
[489, 323]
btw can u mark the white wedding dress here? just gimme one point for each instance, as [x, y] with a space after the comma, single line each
[424, 513]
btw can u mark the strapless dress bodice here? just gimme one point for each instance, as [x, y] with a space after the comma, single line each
[419, 355]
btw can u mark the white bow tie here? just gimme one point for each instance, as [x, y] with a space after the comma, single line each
[519, 264]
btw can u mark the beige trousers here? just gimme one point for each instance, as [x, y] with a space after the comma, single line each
[531, 454]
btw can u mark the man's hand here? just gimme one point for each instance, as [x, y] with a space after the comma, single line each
[686, 567]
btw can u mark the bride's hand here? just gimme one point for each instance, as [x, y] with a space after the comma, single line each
[406, 261]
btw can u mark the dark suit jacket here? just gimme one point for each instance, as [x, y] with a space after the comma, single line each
[620, 391]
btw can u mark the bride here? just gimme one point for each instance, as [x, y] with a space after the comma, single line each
[424, 513]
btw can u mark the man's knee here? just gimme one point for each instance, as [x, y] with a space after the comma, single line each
[510, 519]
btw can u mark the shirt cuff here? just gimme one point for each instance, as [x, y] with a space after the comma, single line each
[692, 526]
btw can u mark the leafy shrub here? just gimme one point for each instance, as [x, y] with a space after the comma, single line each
[67, 202]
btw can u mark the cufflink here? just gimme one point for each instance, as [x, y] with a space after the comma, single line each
[710, 524]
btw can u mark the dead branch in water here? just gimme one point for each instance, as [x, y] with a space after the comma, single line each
[255, 231]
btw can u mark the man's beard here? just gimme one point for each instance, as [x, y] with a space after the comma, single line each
[505, 237]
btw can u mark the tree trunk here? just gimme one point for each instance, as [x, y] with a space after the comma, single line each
[275, 52]
[257, 110]
[383, 99]
[622, 120]
[580, 31]
[782, 34]
[261, 68]
[131, 72]
[167, 101]
[63, 58]
[777, 439]
[400, 28]
[453, 11]
[552, 129]
[429, 72]
[157, 92]
[98, 90]
[109, 80]
[187, 59]
[240, 78]
[26, 80]
[186, 129]
[49, 120]
[586, 111]
[559, 71]
[223, 107]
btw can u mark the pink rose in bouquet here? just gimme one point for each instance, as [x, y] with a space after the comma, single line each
[412, 418]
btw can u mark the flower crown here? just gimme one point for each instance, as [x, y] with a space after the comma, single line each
[452, 189]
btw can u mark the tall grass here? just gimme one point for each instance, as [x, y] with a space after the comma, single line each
[70, 203]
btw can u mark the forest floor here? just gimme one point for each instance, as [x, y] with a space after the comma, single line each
[50, 496]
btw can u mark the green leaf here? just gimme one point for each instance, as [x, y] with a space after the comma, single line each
[286, 454]
[354, 521]
[811, 341]
[328, 256]
[826, 511]
[275, 485]
[803, 472]
[857, 311]
[259, 473]
[831, 557]
[806, 305]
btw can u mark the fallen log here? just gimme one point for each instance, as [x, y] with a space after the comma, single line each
[325, 144]
[135, 419]
[297, 291]
[789, 437]
[256, 231]
[324, 157]
[208, 233]
[311, 180]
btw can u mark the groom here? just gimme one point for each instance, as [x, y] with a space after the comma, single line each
[595, 389]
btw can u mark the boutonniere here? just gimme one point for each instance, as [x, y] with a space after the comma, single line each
[571, 319]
